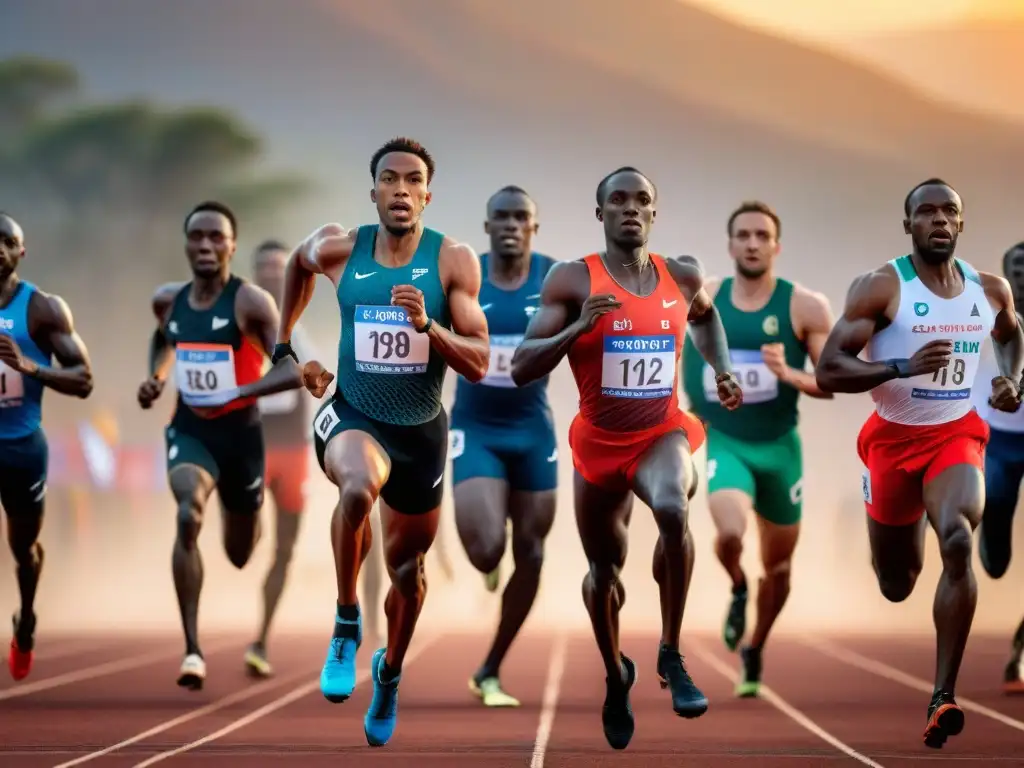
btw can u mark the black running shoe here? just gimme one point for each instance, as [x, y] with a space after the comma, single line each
[736, 619]
[687, 699]
[749, 685]
[945, 719]
[617, 714]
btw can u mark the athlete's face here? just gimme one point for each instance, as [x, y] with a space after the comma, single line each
[753, 244]
[628, 210]
[400, 191]
[511, 224]
[269, 272]
[935, 222]
[209, 243]
[12, 246]
[1015, 275]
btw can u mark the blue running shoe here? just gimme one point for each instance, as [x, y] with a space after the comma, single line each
[338, 677]
[379, 723]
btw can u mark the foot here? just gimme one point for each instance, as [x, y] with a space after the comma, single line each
[338, 677]
[617, 714]
[381, 717]
[19, 659]
[945, 719]
[1013, 677]
[736, 618]
[256, 663]
[687, 699]
[192, 672]
[491, 693]
[749, 685]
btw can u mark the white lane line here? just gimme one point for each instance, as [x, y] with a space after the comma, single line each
[552, 688]
[279, 703]
[854, 659]
[782, 705]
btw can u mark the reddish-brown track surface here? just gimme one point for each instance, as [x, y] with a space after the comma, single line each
[834, 701]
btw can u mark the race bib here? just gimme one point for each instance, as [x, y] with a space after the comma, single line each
[638, 366]
[205, 373]
[759, 384]
[954, 381]
[12, 387]
[499, 373]
[386, 342]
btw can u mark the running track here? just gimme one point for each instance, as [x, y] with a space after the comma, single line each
[109, 702]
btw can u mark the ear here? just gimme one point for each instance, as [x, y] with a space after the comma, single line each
[536, 228]
[373, 195]
[654, 215]
[427, 199]
[960, 226]
[906, 226]
[487, 227]
[600, 216]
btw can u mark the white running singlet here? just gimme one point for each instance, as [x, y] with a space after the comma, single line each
[922, 316]
[988, 369]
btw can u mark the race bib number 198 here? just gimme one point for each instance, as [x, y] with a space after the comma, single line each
[638, 366]
[386, 342]
[499, 372]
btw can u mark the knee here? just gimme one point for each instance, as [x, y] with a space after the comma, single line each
[955, 547]
[408, 577]
[238, 554]
[671, 518]
[779, 572]
[486, 555]
[897, 587]
[356, 499]
[602, 577]
[528, 552]
[190, 517]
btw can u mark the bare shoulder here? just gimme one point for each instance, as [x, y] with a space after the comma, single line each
[874, 291]
[566, 282]
[164, 296]
[50, 311]
[254, 297]
[458, 254]
[996, 287]
[327, 246]
[459, 265]
[809, 300]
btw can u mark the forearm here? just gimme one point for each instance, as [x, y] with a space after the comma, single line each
[285, 375]
[807, 384]
[74, 380]
[708, 335]
[298, 290]
[160, 355]
[1009, 354]
[536, 358]
[468, 356]
[847, 373]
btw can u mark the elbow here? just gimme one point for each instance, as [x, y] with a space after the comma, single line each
[476, 372]
[85, 384]
[825, 379]
[521, 373]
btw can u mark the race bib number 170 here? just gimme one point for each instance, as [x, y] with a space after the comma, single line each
[638, 366]
[386, 342]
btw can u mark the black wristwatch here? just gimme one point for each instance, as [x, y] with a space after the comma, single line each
[282, 350]
[900, 366]
[426, 326]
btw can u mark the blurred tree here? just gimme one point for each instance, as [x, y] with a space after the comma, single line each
[28, 87]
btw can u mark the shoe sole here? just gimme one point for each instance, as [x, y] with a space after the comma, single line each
[690, 712]
[190, 680]
[257, 667]
[947, 721]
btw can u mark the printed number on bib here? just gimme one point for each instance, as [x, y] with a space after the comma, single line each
[12, 386]
[456, 443]
[205, 373]
[499, 372]
[638, 366]
[756, 379]
[325, 421]
[386, 342]
[946, 383]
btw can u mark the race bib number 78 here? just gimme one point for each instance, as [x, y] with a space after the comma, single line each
[638, 366]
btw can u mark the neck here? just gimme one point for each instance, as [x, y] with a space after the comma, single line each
[628, 258]
[943, 272]
[753, 287]
[209, 286]
[508, 269]
[396, 250]
[8, 287]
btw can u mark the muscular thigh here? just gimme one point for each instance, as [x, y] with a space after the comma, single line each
[406, 537]
[24, 464]
[664, 472]
[896, 549]
[602, 518]
[481, 509]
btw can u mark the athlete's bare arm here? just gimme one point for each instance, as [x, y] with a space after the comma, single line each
[871, 304]
[1008, 343]
[812, 321]
[257, 317]
[161, 351]
[559, 321]
[466, 348]
[50, 325]
[705, 327]
[324, 252]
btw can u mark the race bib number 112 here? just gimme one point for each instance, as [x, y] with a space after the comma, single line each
[638, 366]
[386, 342]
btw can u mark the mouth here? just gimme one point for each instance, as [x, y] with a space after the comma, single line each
[632, 224]
[400, 208]
[509, 241]
[941, 237]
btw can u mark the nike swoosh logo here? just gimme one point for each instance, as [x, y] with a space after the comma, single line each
[531, 298]
[363, 277]
[218, 323]
[553, 456]
[485, 307]
[438, 481]
[667, 304]
[254, 484]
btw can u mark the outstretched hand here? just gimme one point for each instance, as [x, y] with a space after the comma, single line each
[316, 378]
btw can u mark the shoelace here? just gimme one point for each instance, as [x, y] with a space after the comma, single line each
[675, 665]
[344, 648]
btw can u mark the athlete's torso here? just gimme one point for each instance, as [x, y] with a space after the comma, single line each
[769, 407]
[988, 369]
[386, 370]
[625, 367]
[212, 355]
[287, 415]
[21, 397]
[497, 400]
[922, 317]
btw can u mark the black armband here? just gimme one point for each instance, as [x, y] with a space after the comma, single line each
[283, 350]
[900, 366]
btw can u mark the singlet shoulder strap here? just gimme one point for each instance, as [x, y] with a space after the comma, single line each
[969, 272]
[904, 267]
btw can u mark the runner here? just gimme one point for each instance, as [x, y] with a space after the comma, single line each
[287, 434]
[755, 458]
[215, 330]
[621, 317]
[36, 328]
[1004, 469]
[400, 286]
[503, 443]
[922, 319]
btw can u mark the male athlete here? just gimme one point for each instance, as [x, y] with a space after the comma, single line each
[755, 459]
[503, 442]
[35, 329]
[922, 319]
[409, 309]
[1004, 469]
[287, 435]
[215, 330]
[621, 316]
